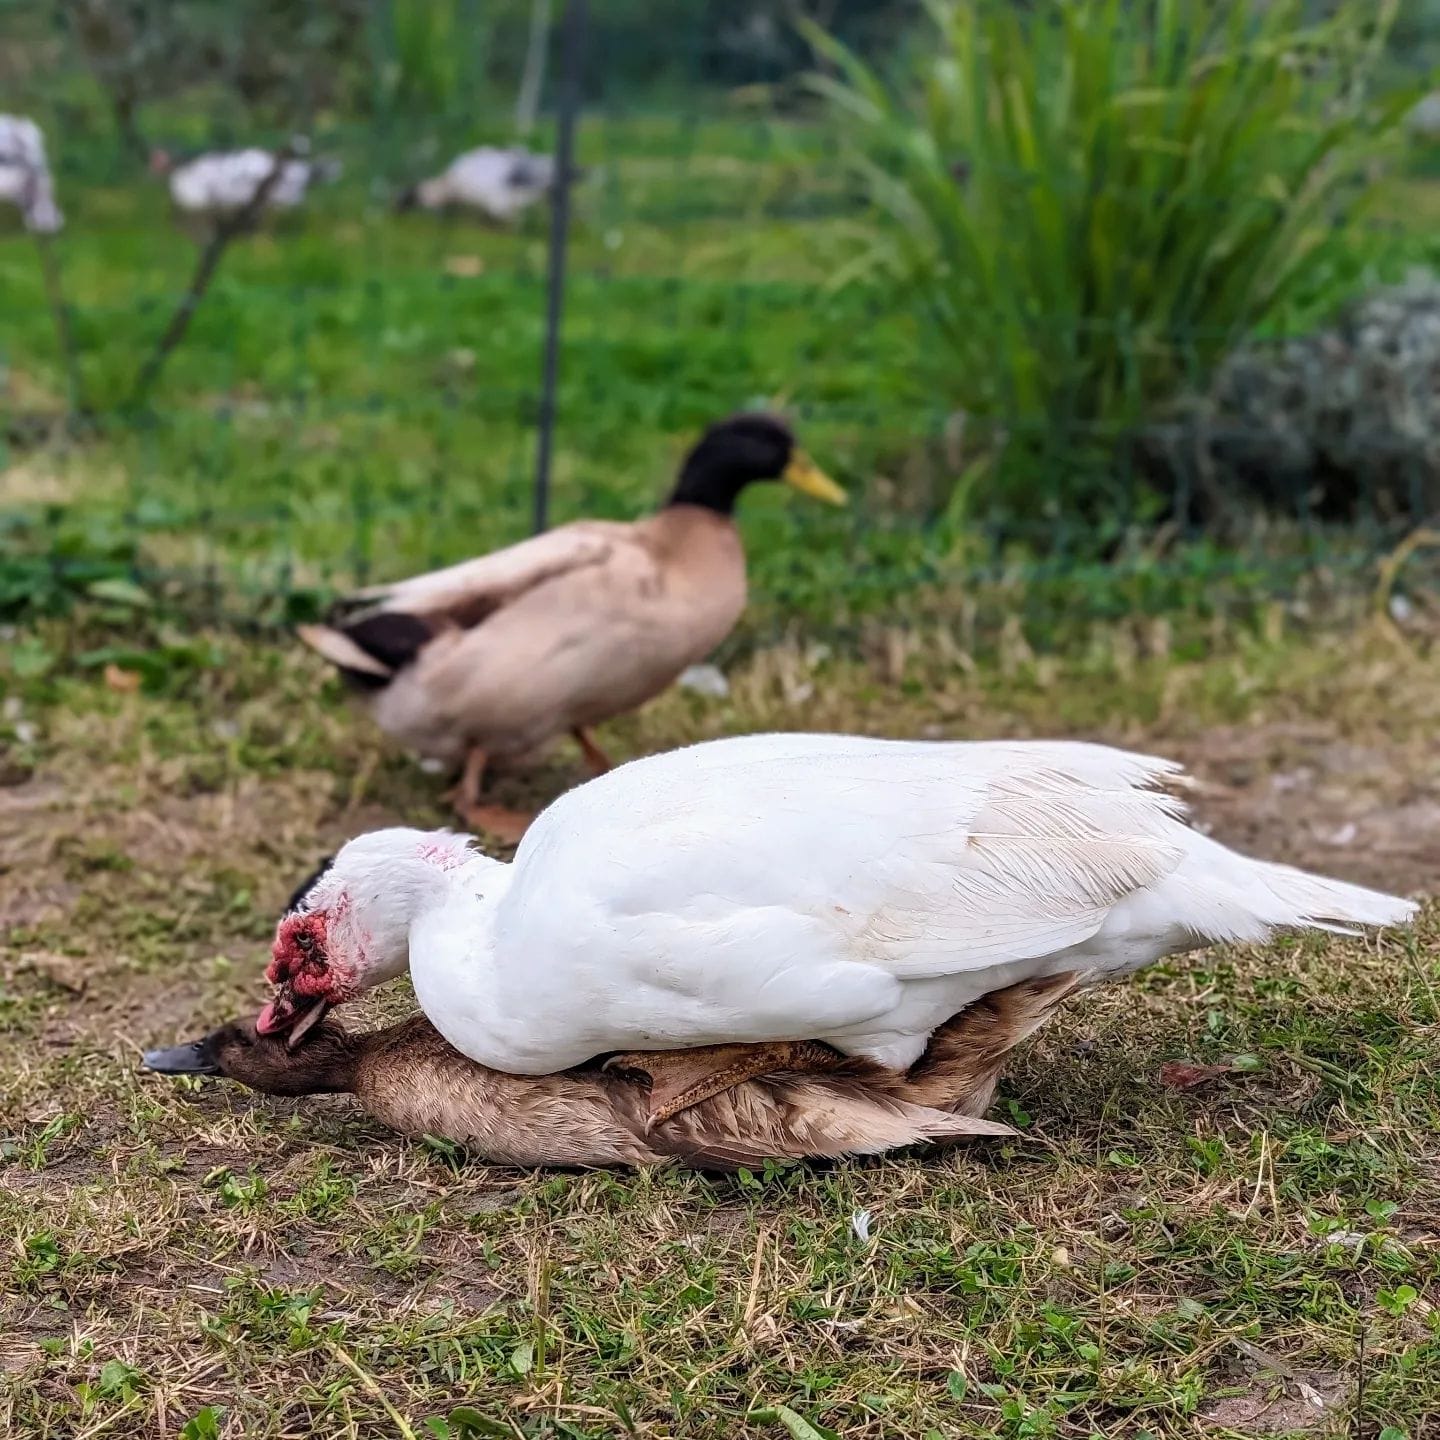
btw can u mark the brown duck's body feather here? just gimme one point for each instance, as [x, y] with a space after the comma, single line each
[566, 630]
[410, 1079]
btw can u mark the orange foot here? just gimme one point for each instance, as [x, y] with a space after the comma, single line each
[506, 825]
[595, 757]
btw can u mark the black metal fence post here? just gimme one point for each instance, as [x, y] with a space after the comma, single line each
[572, 40]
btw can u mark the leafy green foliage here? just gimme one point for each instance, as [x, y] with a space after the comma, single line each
[50, 560]
[424, 68]
[271, 61]
[795, 1424]
[1091, 202]
[355, 398]
[203, 1425]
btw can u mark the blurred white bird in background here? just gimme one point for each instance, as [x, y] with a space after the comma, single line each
[222, 183]
[25, 178]
[498, 184]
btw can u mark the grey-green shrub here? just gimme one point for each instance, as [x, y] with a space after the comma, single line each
[1342, 425]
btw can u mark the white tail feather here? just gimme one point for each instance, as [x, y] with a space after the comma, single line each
[1330, 904]
[1232, 897]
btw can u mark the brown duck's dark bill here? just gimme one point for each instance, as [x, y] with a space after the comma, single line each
[196, 1058]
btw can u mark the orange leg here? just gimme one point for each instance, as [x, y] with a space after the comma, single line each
[595, 757]
[465, 793]
[508, 826]
[682, 1078]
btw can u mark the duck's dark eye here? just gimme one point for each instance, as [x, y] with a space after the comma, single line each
[305, 942]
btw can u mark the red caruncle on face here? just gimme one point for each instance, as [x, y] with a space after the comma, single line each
[300, 958]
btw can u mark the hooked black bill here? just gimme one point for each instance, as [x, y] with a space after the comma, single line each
[196, 1058]
[308, 1020]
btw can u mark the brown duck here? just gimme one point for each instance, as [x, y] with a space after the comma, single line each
[407, 1077]
[486, 661]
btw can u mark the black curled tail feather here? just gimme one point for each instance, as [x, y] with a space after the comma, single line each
[392, 638]
[371, 650]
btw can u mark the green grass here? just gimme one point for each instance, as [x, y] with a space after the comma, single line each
[356, 395]
[187, 1260]
[352, 397]
[1143, 187]
[1142, 1261]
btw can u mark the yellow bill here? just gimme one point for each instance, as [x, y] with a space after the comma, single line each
[809, 479]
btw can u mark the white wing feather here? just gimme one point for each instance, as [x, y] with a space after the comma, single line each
[840, 888]
[794, 884]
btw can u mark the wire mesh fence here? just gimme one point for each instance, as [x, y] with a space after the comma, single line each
[358, 390]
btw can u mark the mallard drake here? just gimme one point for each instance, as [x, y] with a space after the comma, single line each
[410, 1079]
[487, 660]
[774, 888]
[25, 178]
[496, 183]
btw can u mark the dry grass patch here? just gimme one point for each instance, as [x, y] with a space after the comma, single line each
[183, 1258]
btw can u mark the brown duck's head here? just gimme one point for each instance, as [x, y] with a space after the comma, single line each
[742, 450]
[274, 1065]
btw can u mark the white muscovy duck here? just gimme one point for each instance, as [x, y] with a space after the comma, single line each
[497, 183]
[781, 888]
[222, 183]
[25, 178]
